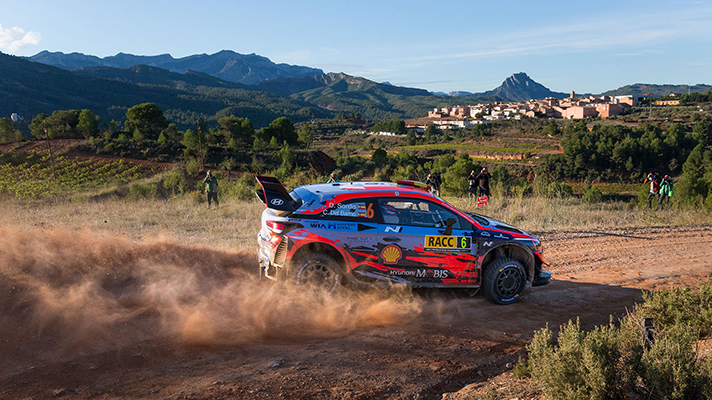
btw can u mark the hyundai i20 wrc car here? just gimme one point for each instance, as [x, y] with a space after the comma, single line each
[333, 234]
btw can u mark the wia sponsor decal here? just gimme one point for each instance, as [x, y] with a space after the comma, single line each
[333, 226]
[448, 243]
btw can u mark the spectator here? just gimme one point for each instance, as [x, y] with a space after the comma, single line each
[665, 192]
[434, 181]
[211, 188]
[333, 178]
[483, 179]
[472, 179]
[654, 188]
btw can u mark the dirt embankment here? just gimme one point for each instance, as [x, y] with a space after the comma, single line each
[86, 316]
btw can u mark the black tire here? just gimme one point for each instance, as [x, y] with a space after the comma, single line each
[319, 272]
[503, 281]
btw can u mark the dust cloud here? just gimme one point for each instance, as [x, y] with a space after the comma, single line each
[68, 292]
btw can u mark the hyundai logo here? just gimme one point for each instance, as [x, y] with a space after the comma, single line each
[277, 202]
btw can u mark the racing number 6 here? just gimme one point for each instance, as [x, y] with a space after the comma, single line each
[369, 211]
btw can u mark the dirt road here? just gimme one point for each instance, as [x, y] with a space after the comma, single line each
[192, 343]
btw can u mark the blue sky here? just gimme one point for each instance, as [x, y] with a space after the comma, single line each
[589, 47]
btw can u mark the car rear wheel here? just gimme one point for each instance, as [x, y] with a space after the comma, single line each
[504, 280]
[319, 272]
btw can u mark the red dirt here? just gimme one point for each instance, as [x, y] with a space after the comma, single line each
[63, 146]
[91, 317]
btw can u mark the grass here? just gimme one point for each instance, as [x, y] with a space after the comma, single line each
[234, 225]
[540, 215]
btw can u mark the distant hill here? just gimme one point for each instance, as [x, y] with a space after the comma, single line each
[30, 88]
[351, 94]
[226, 65]
[520, 87]
[639, 89]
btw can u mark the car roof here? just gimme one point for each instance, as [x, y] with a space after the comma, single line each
[327, 189]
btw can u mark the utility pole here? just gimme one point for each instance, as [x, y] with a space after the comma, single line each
[49, 146]
[200, 144]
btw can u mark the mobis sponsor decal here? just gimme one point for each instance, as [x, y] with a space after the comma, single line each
[447, 243]
[423, 273]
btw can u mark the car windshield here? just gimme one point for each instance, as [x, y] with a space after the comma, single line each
[480, 219]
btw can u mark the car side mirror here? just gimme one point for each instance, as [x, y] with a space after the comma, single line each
[448, 226]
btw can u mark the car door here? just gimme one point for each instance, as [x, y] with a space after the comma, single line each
[353, 226]
[426, 243]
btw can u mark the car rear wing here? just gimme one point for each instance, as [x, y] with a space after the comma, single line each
[274, 195]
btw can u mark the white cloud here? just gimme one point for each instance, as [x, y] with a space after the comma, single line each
[13, 39]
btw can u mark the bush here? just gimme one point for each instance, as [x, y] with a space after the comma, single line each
[610, 362]
[559, 189]
[580, 366]
[143, 191]
[176, 183]
[593, 194]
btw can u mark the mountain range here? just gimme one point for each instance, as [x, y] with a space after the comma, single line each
[226, 65]
[225, 83]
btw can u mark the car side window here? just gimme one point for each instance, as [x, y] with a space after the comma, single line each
[421, 213]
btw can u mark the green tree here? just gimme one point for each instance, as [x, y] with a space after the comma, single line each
[306, 135]
[430, 134]
[281, 129]
[88, 124]
[241, 130]
[147, 118]
[7, 131]
[455, 178]
[379, 156]
[190, 140]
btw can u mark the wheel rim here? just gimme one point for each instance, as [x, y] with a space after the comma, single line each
[319, 276]
[509, 281]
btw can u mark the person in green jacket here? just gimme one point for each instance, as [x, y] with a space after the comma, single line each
[211, 188]
[665, 192]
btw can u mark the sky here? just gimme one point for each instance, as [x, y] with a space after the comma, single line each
[469, 45]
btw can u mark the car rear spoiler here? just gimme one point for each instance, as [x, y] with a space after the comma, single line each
[274, 195]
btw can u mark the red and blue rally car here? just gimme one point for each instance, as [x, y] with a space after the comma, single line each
[332, 234]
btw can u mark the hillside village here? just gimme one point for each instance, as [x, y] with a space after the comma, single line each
[571, 107]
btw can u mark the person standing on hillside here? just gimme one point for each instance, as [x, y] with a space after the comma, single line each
[654, 188]
[665, 192]
[333, 178]
[472, 179]
[434, 181]
[211, 188]
[483, 179]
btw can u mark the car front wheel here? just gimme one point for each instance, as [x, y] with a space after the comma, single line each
[319, 272]
[504, 280]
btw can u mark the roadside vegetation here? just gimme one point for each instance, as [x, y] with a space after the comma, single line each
[547, 176]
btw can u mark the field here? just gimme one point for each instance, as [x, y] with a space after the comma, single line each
[158, 299]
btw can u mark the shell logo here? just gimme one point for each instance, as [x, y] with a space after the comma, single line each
[391, 254]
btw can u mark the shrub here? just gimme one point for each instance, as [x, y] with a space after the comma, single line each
[176, 183]
[580, 366]
[610, 362]
[559, 189]
[143, 191]
[192, 166]
[593, 194]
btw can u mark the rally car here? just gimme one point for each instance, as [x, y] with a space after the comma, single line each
[353, 233]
